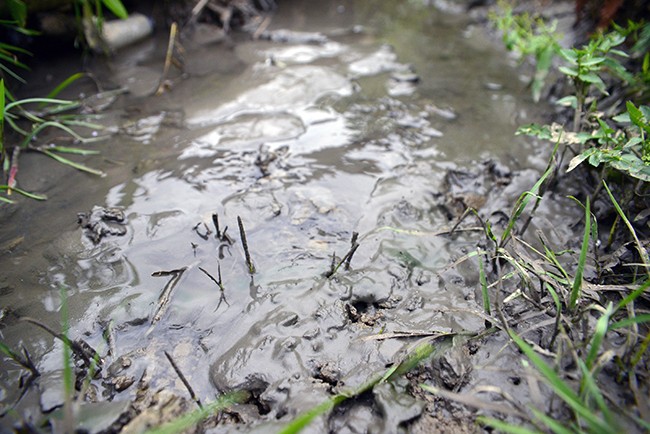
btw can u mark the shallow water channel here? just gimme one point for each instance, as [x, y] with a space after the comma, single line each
[386, 119]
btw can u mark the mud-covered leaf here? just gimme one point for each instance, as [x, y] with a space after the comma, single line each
[575, 161]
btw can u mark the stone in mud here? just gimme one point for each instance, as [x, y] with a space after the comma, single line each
[453, 368]
[101, 222]
[397, 406]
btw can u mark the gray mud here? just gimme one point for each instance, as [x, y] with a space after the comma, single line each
[383, 118]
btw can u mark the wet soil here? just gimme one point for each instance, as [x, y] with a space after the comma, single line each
[385, 119]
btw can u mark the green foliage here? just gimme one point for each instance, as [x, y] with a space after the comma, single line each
[588, 67]
[627, 151]
[27, 118]
[529, 37]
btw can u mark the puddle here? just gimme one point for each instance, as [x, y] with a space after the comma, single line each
[308, 141]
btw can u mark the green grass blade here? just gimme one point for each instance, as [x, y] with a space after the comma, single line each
[639, 319]
[70, 163]
[23, 192]
[599, 336]
[421, 352]
[2, 119]
[521, 204]
[562, 389]
[68, 377]
[52, 101]
[306, 418]
[642, 253]
[592, 390]
[577, 281]
[76, 151]
[523, 200]
[117, 8]
[48, 124]
[633, 295]
[484, 285]
[64, 84]
[505, 427]
[191, 419]
[553, 424]
[11, 73]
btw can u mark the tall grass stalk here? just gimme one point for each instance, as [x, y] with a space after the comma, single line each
[524, 199]
[68, 377]
[642, 252]
[577, 280]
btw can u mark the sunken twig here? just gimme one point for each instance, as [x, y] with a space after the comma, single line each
[165, 295]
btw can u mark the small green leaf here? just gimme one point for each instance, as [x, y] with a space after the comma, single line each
[571, 72]
[569, 54]
[568, 101]
[575, 161]
[593, 61]
[590, 77]
[117, 8]
[18, 11]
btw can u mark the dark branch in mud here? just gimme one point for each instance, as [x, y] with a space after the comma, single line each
[242, 234]
[215, 221]
[184, 380]
[79, 347]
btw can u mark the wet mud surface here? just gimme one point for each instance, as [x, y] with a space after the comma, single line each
[363, 117]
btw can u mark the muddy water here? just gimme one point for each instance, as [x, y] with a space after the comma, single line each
[354, 128]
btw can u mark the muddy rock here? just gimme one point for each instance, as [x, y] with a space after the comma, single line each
[101, 222]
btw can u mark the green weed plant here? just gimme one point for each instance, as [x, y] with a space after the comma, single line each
[529, 37]
[22, 120]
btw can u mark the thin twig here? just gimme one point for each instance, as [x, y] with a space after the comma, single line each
[184, 380]
[165, 295]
